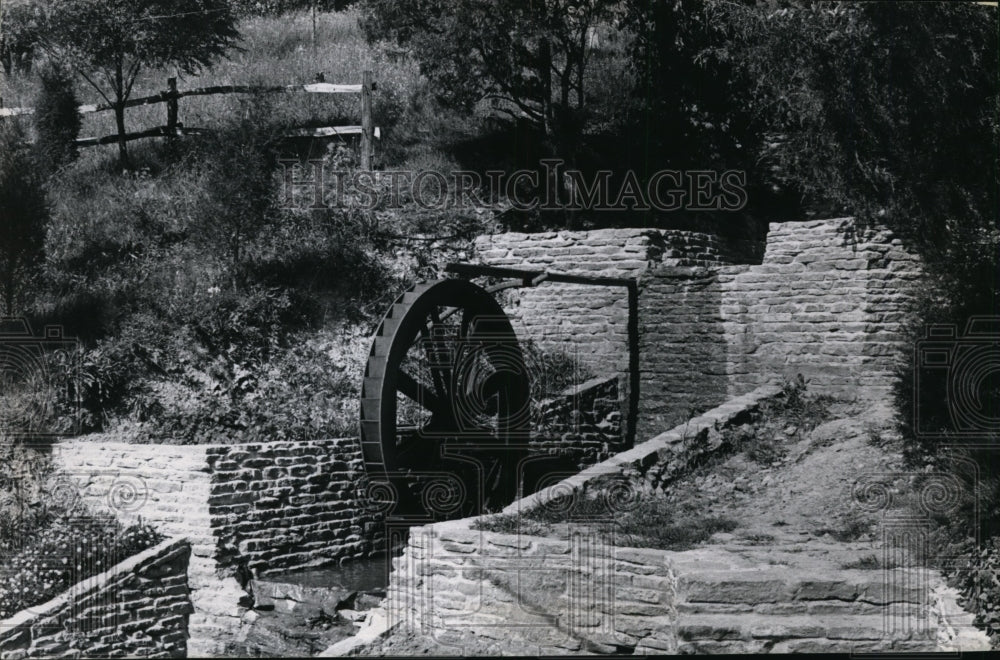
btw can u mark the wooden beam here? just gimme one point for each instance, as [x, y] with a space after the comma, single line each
[313, 88]
[331, 131]
[13, 112]
[159, 131]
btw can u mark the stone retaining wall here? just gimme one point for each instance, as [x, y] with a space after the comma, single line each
[553, 596]
[652, 464]
[261, 507]
[140, 607]
[545, 596]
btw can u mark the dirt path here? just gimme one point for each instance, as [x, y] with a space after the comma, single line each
[813, 490]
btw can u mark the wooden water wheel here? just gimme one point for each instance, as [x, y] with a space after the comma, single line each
[446, 378]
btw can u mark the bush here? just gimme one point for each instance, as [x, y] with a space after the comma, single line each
[57, 121]
[24, 213]
[788, 417]
[72, 548]
[22, 29]
[23, 474]
[979, 581]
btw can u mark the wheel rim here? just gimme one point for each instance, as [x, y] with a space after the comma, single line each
[445, 368]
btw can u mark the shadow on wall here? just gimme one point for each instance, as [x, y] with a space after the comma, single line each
[683, 348]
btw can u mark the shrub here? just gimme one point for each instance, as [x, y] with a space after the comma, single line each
[24, 213]
[979, 581]
[72, 548]
[22, 29]
[57, 121]
[23, 473]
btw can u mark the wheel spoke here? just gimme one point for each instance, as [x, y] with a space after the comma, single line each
[438, 357]
[467, 318]
[418, 392]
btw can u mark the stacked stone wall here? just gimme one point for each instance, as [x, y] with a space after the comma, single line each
[263, 507]
[544, 596]
[583, 424]
[138, 608]
[827, 300]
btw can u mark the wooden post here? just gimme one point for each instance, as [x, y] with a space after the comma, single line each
[314, 31]
[171, 96]
[367, 130]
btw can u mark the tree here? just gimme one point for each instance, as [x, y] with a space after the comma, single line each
[689, 102]
[23, 216]
[888, 111]
[20, 30]
[109, 41]
[527, 55]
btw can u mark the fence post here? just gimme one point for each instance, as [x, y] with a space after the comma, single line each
[367, 130]
[171, 100]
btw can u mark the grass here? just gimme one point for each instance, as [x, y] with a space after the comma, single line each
[651, 524]
[274, 50]
[850, 531]
[869, 563]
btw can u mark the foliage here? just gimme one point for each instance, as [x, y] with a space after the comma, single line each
[20, 32]
[108, 41]
[48, 539]
[864, 125]
[238, 164]
[24, 213]
[688, 98]
[788, 417]
[528, 57]
[57, 122]
[552, 371]
[23, 473]
[978, 578]
[72, 548]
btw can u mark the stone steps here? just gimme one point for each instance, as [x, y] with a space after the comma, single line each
[752, 626]
[729, 604]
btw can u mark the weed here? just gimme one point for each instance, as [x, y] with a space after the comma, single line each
[869, 563]
[652, 524]
[852, 530]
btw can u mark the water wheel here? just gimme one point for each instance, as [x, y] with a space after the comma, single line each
[446, 391]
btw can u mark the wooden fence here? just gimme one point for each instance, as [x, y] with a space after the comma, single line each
[367, 131]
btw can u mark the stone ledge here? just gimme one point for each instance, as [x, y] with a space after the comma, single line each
[648, 453]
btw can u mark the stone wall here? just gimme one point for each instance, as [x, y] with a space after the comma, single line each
[583, 424]
[826, 300]
[140, 607]
[265, 507]
[591, 322]
[653, 464]
[539, 596]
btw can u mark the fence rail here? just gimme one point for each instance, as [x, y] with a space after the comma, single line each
[170, 96]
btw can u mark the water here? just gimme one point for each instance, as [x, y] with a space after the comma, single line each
[362, 575]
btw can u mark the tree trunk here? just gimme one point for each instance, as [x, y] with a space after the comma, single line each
[120, 115]
[120, 124]
[545, 70]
